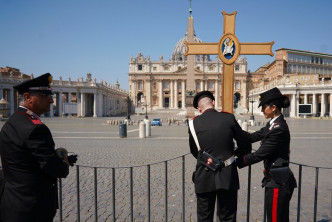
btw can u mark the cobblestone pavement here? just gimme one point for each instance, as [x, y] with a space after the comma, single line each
[98, 145]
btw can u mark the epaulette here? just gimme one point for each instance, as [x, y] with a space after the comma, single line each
[34, 119]
[273, 126]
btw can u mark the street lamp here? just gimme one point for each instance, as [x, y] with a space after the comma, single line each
[252, 109]
[146, 111]
[128, 107]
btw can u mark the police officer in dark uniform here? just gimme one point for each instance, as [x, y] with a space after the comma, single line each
[215, 133]
[279, 181]
[30, 163]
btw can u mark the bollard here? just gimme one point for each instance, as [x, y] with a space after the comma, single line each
[123, 130]
[245, 126]
[147, 128]
[142, 129]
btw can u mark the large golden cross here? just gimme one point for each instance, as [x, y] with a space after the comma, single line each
[228, 48]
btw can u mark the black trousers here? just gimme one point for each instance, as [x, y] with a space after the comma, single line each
[226, 205]
[277, 204]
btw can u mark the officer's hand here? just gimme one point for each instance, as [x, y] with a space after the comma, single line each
[72, 159]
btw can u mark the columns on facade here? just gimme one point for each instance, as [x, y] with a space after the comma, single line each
[134, 93]
[322, 105]
[60, 103]
[202, 85]
[11, 99]
[95, 104]
[82, 104]
[305, 99]
[183, 87]
[176, 94]
[148, 93]
[216, 92]
[206, 85]
[314, 104]
[171, 99]
[160, 94]
[293, 106]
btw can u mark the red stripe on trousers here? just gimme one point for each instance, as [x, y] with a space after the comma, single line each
[275, 205]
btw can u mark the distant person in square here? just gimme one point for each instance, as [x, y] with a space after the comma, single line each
[211, 136]
[30, 163]
[279, 181]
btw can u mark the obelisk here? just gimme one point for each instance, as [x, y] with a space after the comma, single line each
[190, 87]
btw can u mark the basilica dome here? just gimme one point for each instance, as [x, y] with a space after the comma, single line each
[180, 49]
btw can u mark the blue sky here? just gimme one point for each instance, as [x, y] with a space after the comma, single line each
[74, 37]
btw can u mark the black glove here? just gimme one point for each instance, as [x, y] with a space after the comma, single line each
[72, 159]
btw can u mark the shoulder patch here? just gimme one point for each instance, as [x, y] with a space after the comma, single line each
[35, 120]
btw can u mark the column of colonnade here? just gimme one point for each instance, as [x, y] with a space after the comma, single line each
[322, 105]
[176, 94]
[183, 87]
[160, 94]
[216, 92]
[171, 99]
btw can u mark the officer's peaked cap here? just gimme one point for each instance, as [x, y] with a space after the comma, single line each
[40, 84]
[269, 96]
[201, 95]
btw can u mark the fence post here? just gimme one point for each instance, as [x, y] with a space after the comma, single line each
[299, 194]
[113, 193]
[78, 192]
[166, 192]
[131, 196]
[149, 194]
[60, 199]
[248, 196]
[96, 194]
[316, 194]
[183, 190]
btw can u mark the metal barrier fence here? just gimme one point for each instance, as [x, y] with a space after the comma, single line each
[166, 194]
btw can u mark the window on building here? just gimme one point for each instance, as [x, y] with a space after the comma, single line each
[289, 68]
[237, 85]
[211, 68]
[210, 84]
[321, 60]
[198, 68]
[154, 68]
[180, 86]
[237, 67]
[166, 68]
[139, 67]
[179, 67]
[197, 86]
[166, 85]
[140, 85]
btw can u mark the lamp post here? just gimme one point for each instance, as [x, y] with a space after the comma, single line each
[146, 111]
[128, 107]
[252, 109]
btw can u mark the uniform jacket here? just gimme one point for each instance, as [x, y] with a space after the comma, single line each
[31, 168]
[215, 132]
[275, 143]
